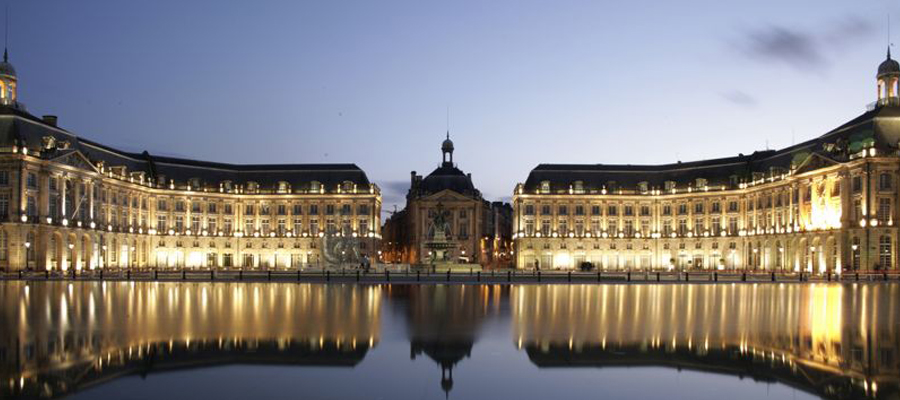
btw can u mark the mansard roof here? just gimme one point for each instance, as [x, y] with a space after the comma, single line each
[447, 177]
[18, 128]
[878, 128]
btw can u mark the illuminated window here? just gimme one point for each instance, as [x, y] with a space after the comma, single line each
[885, 252]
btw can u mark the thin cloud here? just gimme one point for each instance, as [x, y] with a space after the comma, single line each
[739, 98]
[803, 49]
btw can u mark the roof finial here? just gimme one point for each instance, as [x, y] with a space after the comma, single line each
[6, 36]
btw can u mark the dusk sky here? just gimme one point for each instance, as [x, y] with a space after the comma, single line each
[526, 82]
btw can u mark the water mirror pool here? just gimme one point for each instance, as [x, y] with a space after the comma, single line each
[150, 340]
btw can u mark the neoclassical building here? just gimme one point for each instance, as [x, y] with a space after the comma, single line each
[825, 205]
[446, 219]
[67, 202]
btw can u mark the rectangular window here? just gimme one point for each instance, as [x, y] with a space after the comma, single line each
[329, 209]
[313, 209]
[579, 210]
[884, 209]
[195, 223]
[362, 209]
[31, 207]
[4, 178]
[161, 223]
[698, 208]
[645, 211]
[545, 210]
[249, 209]
[211, 225]
[563, 210]
[298, 209]
[613, 210]
[226, 225]
[595, 210]
[179, 223]
[31, 180]
[629, 210]
[4, 205]
[667, 210]
[248, 226]
[857, 184]
[529, 209]
[211, 208]
[298, 226]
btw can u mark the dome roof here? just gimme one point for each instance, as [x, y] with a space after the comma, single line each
[447, 145]
[889, 66]
[5, 67]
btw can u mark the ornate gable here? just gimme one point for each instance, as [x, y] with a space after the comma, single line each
[814, 162]
[75, 159]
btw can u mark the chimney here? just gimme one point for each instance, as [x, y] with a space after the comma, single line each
[50, 120]
[412, 178]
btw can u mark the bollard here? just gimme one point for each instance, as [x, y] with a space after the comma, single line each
[269, 275]
[657, 276]
[828, 276]
[127, 274]
[539, 276]
[387, 275]
[885, 276]
[155, 275]
[357, 275]
[448, 274]
[46, 274]
[509, 276]
[687, 276]
[598, 276]
[628, 276]
[857, 276]
[298, 275]
[212, 277]
[241, 274]
[715, 276]
[570, 276]
[20, 274]
[744, 277]
[417, 275]
[801, 276]
[478, 277]
[183, 275]
[101, 274]
[327, 276]
[773, 277]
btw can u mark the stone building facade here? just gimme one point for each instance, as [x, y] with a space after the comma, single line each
[478, 231]
[825, 205]
[67, 202]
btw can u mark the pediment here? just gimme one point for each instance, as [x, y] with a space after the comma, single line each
[814, 162]
[446, 195]
[75, 159]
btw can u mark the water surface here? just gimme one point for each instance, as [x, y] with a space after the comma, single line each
[150, 340]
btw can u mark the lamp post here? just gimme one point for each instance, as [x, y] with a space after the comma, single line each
[27, 254]
[70, 257]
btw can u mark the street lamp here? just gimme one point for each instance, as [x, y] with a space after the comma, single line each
[27, 253]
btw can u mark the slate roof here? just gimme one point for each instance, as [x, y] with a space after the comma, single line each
[18, 127]
[879, 127]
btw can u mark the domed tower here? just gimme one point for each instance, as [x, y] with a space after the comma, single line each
[888, 81]
[8, 82]
[447, 149]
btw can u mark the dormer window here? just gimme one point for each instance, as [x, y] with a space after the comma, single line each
[669, 186]
[347, 187]
[252, 187]
[194, 183]
[643, 187]
[315, 186]
[700, 183]
[578, 187]
[545, 186]
[228, 186]
[284, 187]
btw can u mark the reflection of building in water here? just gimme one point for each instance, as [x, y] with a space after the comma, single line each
[832, 340]
[62, 336]
[443, 321]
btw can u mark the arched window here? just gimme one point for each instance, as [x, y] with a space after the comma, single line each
[885, 252]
